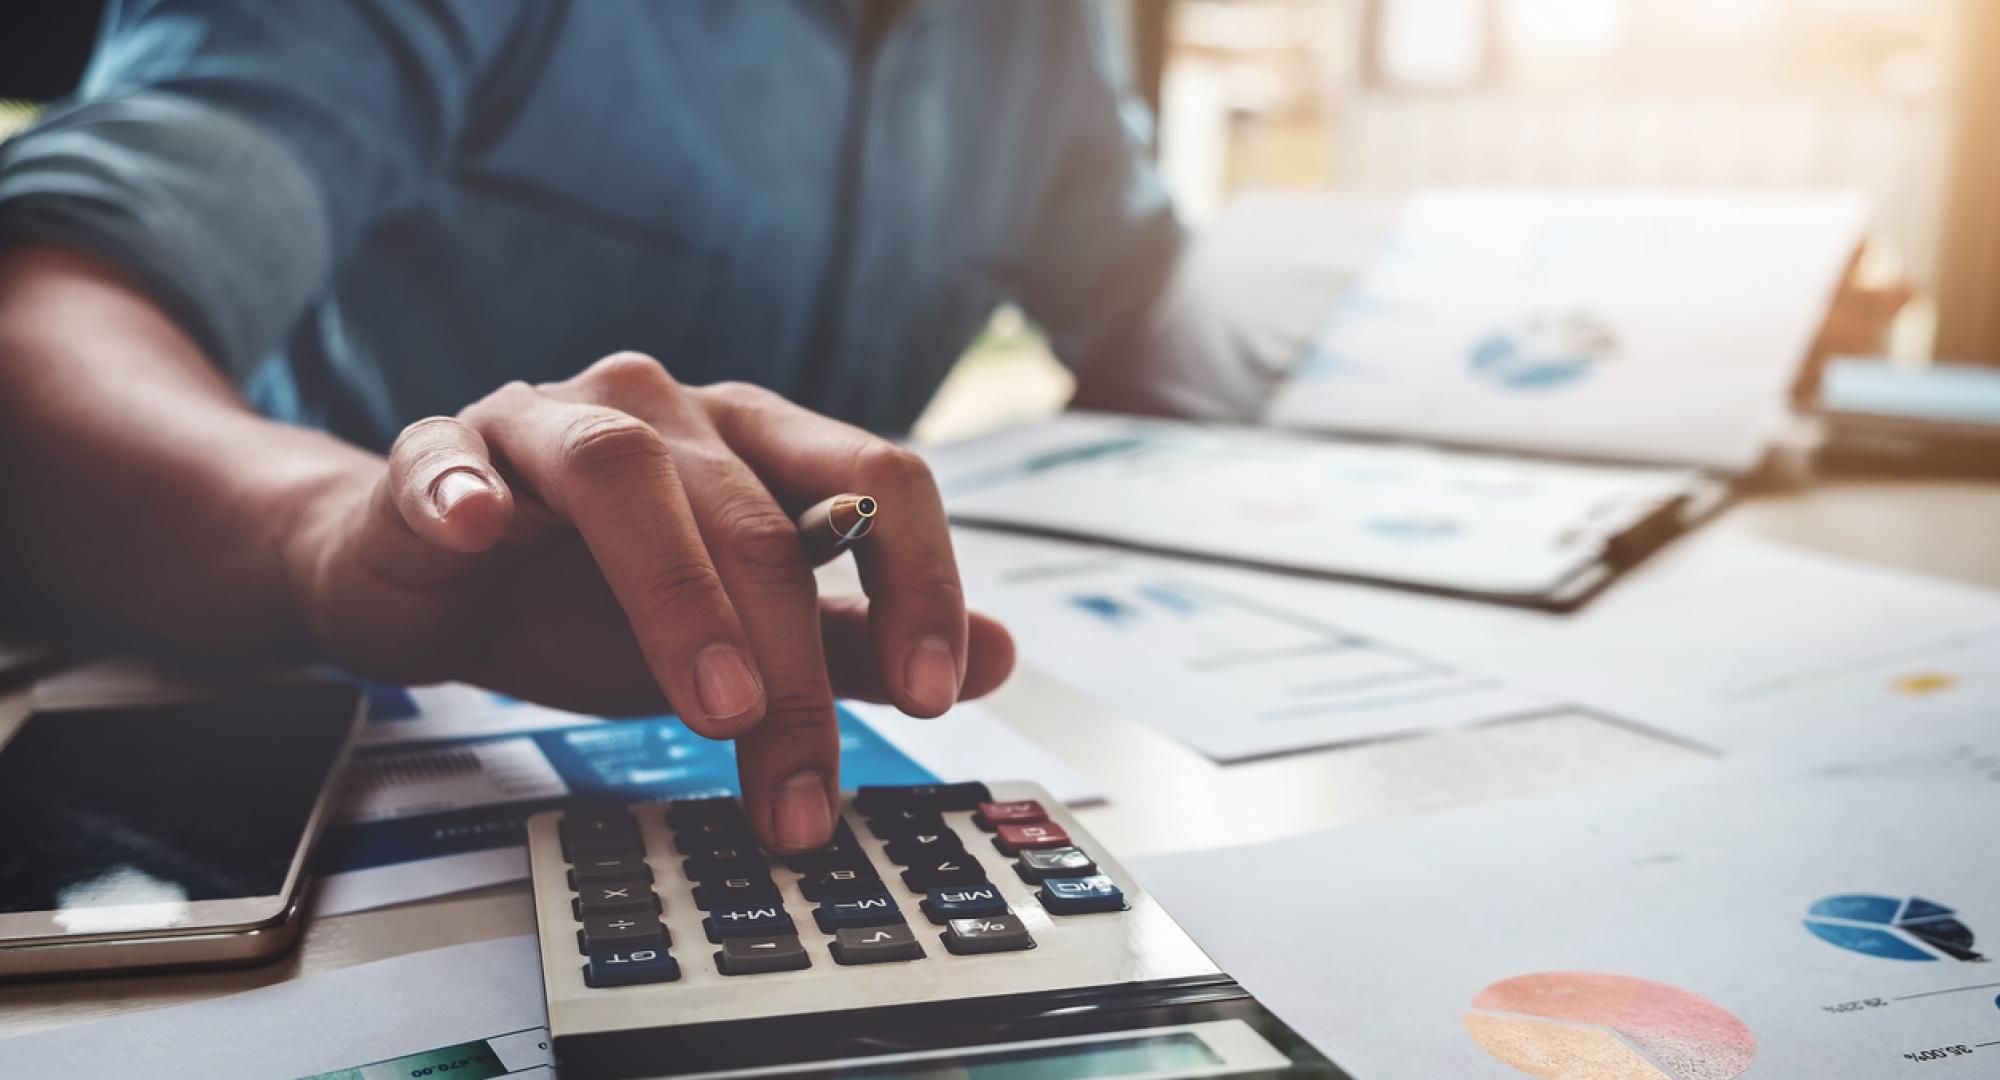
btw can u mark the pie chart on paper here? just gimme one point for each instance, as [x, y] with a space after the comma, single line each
[1579, 1025]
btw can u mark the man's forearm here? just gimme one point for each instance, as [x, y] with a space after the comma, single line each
[137, 482]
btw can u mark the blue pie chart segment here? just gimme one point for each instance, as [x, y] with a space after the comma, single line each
[1867, 940]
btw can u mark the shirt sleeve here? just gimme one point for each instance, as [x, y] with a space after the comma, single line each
[228, 155]
[1103, 238]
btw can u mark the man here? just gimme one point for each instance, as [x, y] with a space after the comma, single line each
[270, 243]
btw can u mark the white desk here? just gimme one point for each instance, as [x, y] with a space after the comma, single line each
[1163, 795]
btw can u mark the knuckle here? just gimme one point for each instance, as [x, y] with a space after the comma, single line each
[764, 544]
[897, 465]
[629, 373]
[679, 586]
[604, 441]
[794, 711]
[740, 396]
[933, 589]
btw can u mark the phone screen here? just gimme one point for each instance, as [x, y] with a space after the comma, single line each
[164, 804]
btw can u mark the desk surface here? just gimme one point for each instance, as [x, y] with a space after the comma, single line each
[1161, 794]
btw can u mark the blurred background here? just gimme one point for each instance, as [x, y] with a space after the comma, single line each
[1372, 99]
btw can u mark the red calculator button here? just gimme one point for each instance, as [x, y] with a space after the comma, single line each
[1011, 839]
[1019, 812]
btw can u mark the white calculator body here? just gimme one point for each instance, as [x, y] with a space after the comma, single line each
[951, 930]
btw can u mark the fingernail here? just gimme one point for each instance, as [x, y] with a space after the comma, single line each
[931, 674]
[805, 816]
[451, 488]
[727, 686]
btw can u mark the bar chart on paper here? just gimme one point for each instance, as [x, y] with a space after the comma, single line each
[1233, 671]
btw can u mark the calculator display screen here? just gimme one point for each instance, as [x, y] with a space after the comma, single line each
[152, 808]
[1166, 1054]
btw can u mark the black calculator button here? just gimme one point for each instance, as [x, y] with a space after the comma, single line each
[964, 902]
[614, 898]
[639, 930]
[921, 847]
[725, 863]
[709, 835]
[874, 800]
[596, 868]
[747, 891]
[943, 870]
[1035, 864]
[1077, 896]
[763, 921]
[685, 813]
[838, 884]
[599, 832]
[756, 955]
[629, 967]
[898, 823]
[876, 944]
[868, 909]
[843, 851]
[995, 933]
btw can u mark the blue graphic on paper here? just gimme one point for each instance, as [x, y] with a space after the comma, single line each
[628, 761]
[1543, 352]
[1891, 927]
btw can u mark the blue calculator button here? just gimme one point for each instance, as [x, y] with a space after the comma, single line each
[867, 909]
[1075, 896]
[761, 921]
[963, 902]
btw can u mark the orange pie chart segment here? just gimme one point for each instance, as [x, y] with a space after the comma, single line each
[1576, 1025]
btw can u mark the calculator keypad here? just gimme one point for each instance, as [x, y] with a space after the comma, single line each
[857, 909]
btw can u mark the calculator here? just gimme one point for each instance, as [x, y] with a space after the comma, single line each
[949, 930]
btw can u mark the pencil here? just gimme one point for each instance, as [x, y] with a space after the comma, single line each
[833, 526]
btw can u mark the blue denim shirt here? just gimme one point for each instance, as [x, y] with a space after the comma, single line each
[373, 210]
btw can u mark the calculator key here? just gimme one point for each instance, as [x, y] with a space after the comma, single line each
[872, 800]
[917, 847]
[593, 868]
[1011, 839]
[898, 823]
[1076, 896]
[964, 902]
[996, 933]
[614, 898]
[709, 835]
[724, 863]
[756, 955]
[599, 832]
[840, 883]
[943, 871]
[1035, 864]
[746, 891]
[1019, 812]
[685, 813]
[845, 850]
[869, 909]
[764, 921]
[876, 944]
[639, 930]
[629, 967]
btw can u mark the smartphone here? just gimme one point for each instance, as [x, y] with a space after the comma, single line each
[170, 834]
[1940, 418]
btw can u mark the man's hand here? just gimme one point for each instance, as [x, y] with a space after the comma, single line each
[598, 541]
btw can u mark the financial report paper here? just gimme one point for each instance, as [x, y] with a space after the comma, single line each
[1626, 326]
[1794, 915]
[471, 1011]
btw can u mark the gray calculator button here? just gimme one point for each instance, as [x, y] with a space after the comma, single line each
[995, 933]
[756, 955]
[876, 944]
[614, 898]
[638, 930]
[1038, 864]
